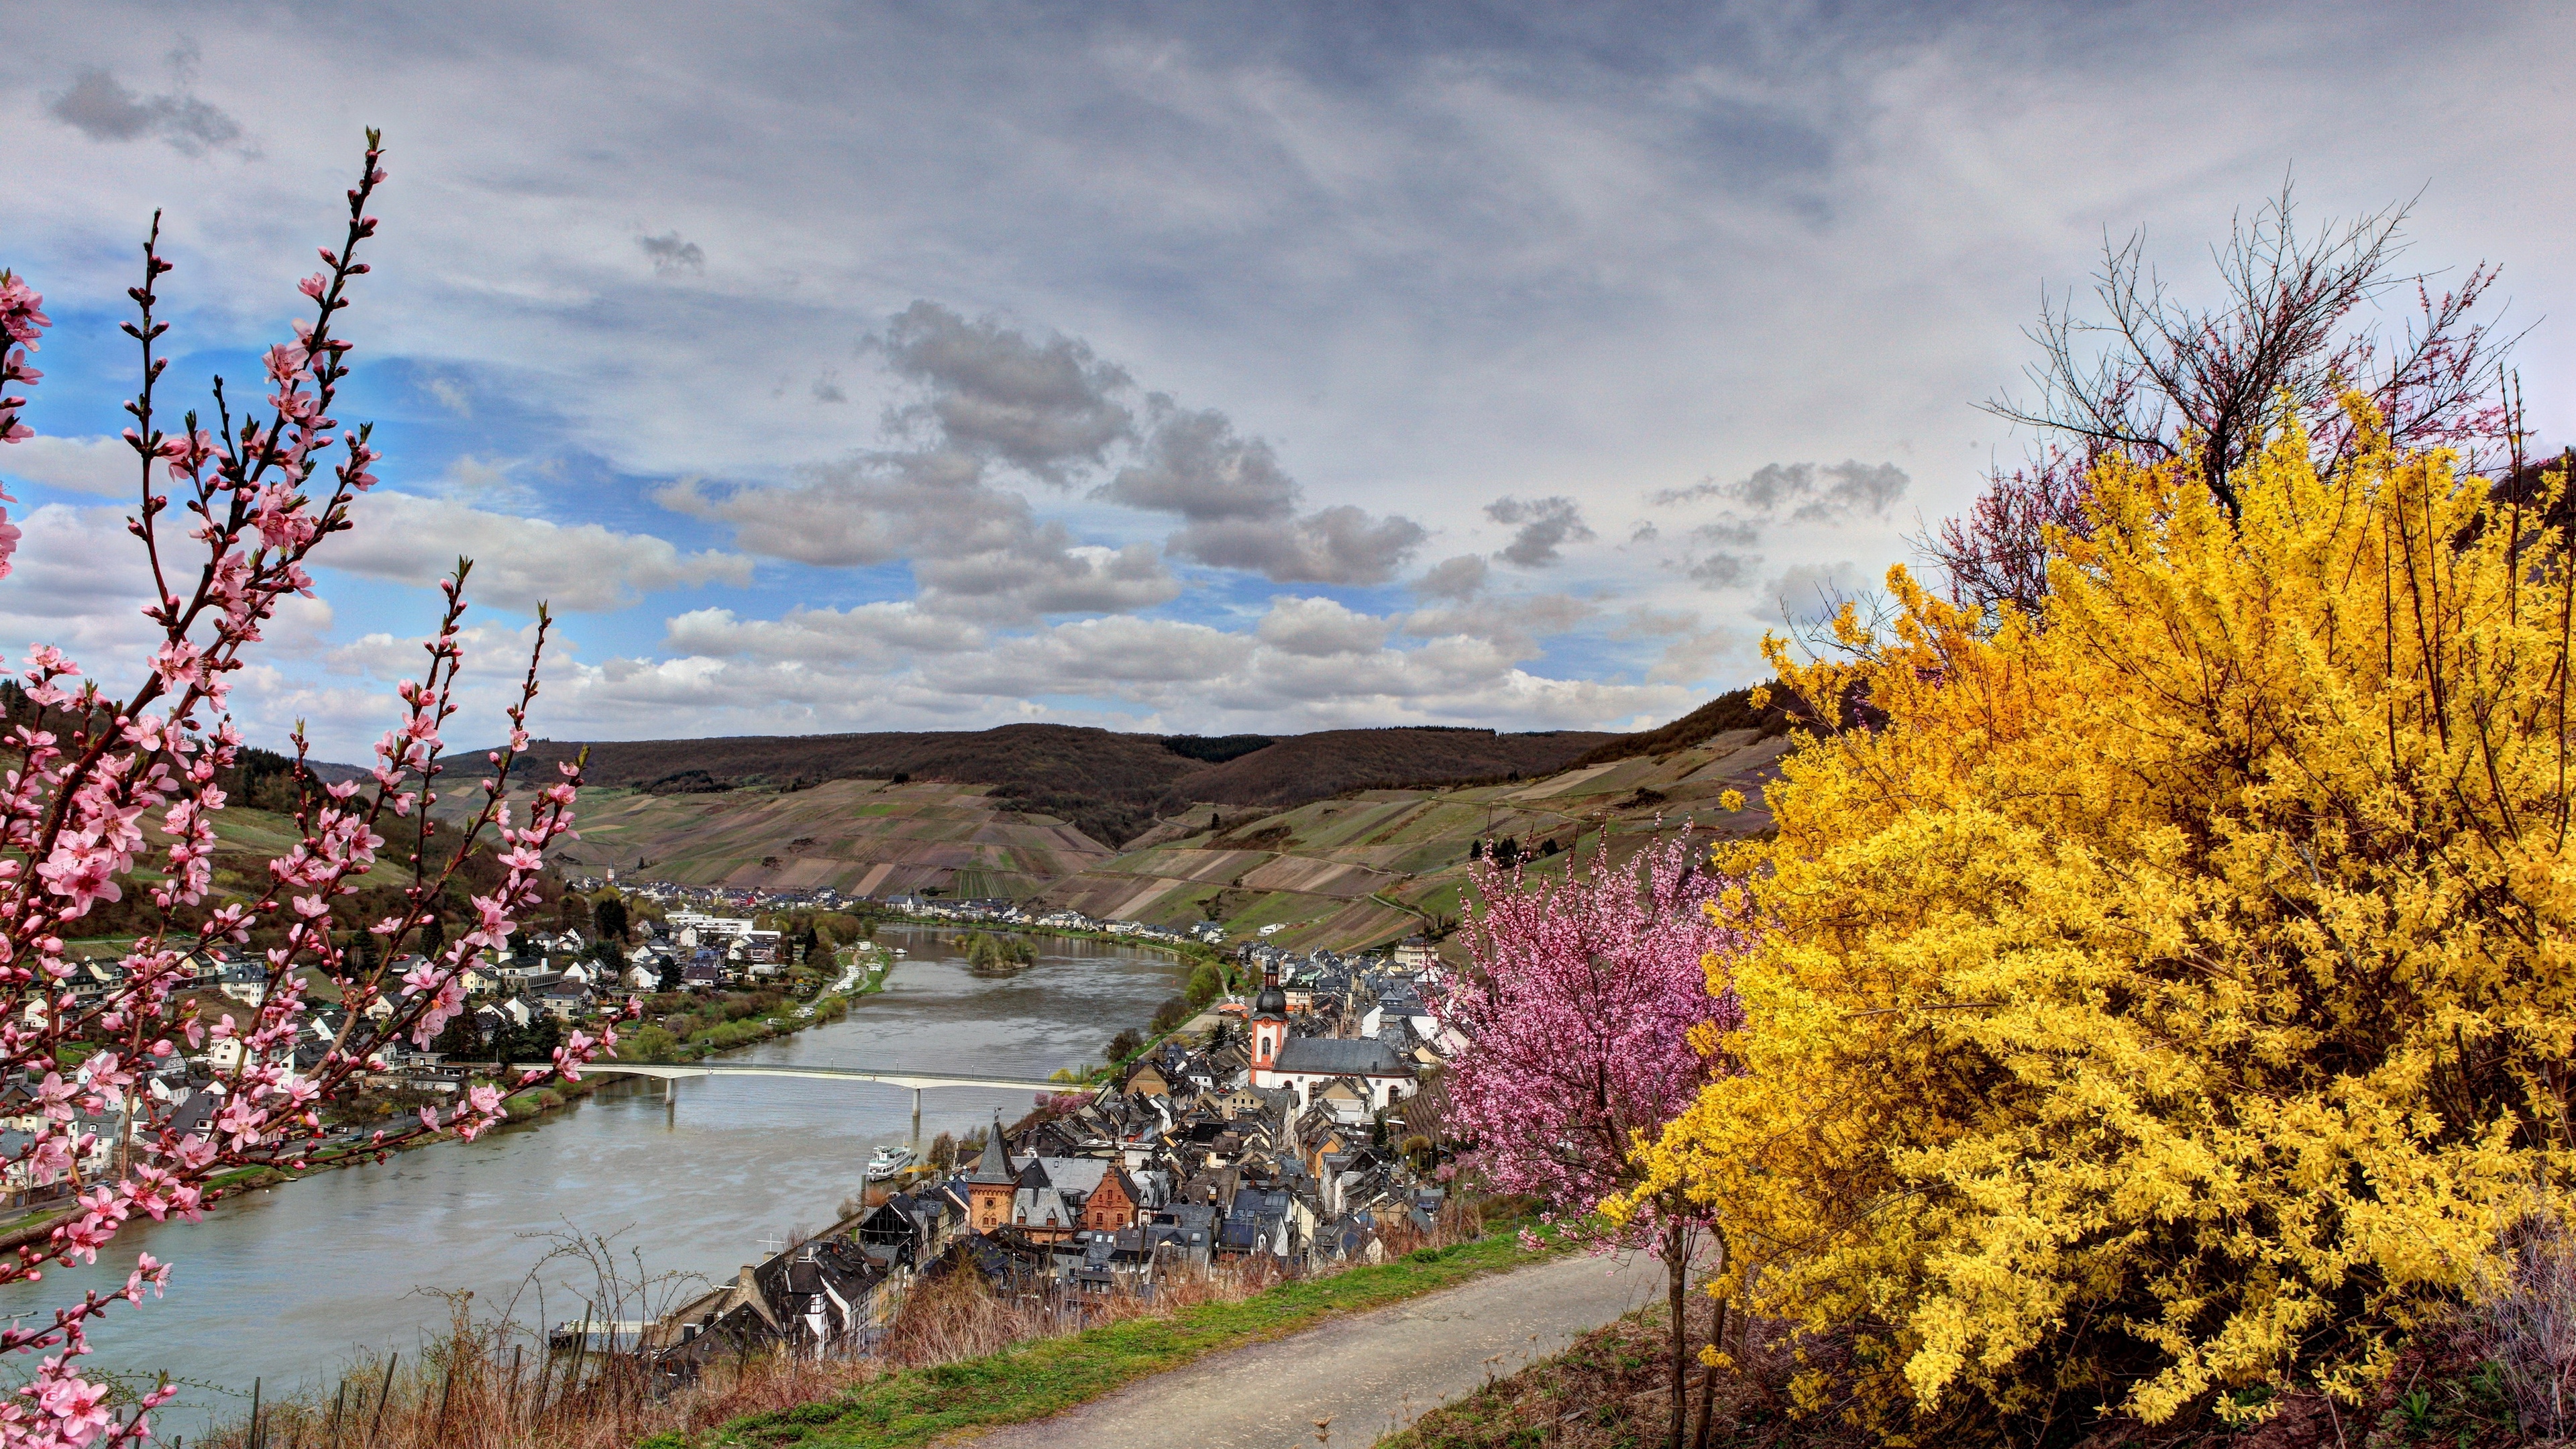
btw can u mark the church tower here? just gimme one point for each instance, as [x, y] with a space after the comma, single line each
[990, 1186]
[1269, 1023]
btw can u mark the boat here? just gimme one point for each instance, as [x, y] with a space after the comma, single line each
[890, 1159]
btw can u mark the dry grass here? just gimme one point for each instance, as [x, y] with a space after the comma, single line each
[476, 1391]
[1610, 1389]
[491, 1385]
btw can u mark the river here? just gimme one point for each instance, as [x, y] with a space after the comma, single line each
[283, 1285]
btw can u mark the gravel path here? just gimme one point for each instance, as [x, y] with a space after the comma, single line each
[1370, 1373]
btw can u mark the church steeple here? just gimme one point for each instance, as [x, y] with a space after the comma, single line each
[990, 1185]
[1269, 1023]
[994, 1165]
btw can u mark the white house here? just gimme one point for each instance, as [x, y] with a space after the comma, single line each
[1305, 1064]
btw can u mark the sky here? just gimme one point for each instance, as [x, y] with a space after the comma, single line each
[1174, 368]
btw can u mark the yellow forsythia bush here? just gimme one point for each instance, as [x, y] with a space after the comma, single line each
[2159, 1003]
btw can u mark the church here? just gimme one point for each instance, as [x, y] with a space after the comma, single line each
[1281, 1058]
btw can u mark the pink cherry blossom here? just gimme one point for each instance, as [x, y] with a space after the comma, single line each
[248, 508]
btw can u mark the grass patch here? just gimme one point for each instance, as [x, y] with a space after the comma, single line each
[1047, 1376]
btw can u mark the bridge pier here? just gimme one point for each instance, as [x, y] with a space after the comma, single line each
[916, 1127]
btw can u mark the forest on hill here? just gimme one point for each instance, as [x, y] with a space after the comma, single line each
[1112, 786]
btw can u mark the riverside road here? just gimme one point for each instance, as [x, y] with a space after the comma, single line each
[1369, 1374]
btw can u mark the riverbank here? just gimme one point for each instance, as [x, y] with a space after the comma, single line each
[860, 979]
[474, 1373]
[683, 1190]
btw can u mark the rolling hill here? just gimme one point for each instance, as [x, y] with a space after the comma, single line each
[861, 837]
[1317, 835]
[1112, 786]
[1375, 865]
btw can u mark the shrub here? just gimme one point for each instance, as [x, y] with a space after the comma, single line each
[1206, 984]
[2159, 997]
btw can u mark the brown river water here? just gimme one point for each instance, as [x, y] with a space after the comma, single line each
[285, 1285]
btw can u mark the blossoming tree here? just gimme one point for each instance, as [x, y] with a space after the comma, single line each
[1591, 1015]
[108, 793]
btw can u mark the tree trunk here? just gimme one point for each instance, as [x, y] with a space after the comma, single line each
[1708, 1377]
[1677, 1289]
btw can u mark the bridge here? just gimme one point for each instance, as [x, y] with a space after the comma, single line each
[919, 1082]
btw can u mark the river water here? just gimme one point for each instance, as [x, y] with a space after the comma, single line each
[286, 1284]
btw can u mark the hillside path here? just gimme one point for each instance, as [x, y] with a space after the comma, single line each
[1371, 1373]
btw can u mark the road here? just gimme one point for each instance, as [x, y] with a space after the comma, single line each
[1370, 1374]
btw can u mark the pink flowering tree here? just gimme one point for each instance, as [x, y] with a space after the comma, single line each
[1588, 1023]
[108, 794]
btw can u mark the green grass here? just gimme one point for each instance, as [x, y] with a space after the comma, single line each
[1048, 1376]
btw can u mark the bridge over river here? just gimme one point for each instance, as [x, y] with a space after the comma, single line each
[919, 1081]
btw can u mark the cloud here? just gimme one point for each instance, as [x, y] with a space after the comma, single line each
[1512, 625]
[1118, 656]
[1808, 493]
[974, 549]
[1195, 465]
[1337, 545]
[1696, 658]
[1722, 570]
[1050, 574]
[1456, 578]
[99, 108]
[79, 580]
[81, 465]
[1046, 408]
[451, 395]
[864, 632]
[1728, 531]
[1646, 623]
[669, 254]
[1805, 492]
[1809, 591]
[1240, 507]
[577, 568]
[490, 653]
[1319, 627]
[1546, 523]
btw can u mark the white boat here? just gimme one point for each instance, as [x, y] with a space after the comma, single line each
[889, 1160]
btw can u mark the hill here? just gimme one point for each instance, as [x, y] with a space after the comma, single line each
[1111, 786]
[861, 837]
[1377, 865]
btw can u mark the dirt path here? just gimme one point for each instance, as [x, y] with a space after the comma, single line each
[1371, 1374]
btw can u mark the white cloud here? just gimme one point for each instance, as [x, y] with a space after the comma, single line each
[518, 562]
[1320, 627]
[1805, 592]
[866, 632]
[79, 465]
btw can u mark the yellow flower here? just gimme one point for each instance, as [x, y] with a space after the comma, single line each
[2161, 999]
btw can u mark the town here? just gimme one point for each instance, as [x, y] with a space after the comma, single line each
[1290, 1127]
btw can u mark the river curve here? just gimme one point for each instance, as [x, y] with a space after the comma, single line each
[286, 1284]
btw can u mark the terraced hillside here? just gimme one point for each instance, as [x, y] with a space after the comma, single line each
[1110, 785]
[863, 837]
[1377, 865]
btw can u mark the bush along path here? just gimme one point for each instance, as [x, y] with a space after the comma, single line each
[1437, 1346]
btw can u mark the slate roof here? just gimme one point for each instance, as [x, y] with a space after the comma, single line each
[994, 1166]
[1365, 1057]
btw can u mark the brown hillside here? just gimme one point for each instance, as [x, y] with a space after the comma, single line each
[1300, 768]
[1110, 785]
[1732, 710]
